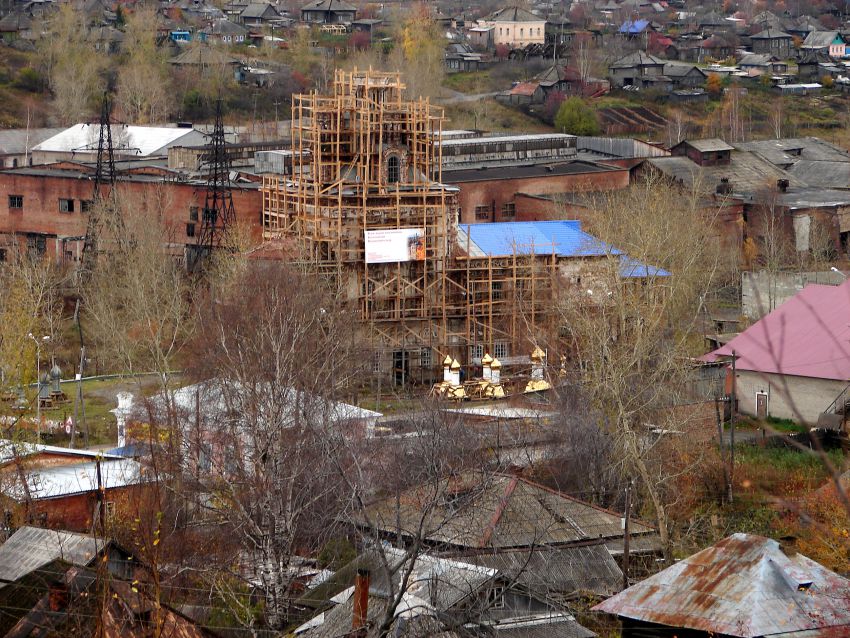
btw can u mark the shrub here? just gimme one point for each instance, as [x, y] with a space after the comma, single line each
[576, 117]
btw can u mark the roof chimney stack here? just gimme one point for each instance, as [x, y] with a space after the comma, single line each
[361, 599]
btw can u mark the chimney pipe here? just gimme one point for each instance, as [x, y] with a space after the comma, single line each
[57, 597]
[361, 599]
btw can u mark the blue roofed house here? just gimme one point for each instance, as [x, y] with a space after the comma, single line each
[635, 28]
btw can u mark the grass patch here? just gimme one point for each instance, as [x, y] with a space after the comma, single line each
[785, 425]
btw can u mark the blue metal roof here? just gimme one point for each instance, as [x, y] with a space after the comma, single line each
[565, 238]
[636, 26]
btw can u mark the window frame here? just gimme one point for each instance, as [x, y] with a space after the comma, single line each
[16, 202]
[66, 205]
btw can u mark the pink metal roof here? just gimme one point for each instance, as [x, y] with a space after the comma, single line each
[807, 336]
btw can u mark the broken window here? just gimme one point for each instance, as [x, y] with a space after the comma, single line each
[66, 205]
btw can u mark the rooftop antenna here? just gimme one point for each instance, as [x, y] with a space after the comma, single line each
[218, 213]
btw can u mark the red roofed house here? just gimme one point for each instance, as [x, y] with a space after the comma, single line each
[794, 363]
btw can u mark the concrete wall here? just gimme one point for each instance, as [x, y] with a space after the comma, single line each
[762, 292]
[789, 397]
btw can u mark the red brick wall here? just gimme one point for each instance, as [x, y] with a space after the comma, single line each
[41, 194]
[74, 513]
[496, 192]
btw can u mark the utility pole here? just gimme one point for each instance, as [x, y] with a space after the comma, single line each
[626, 535]
[732, 404]
[100, 499]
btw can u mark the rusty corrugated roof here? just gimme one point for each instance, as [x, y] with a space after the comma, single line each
[743, 586]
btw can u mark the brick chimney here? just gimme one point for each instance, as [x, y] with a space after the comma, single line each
[57, 597]
[361, 599]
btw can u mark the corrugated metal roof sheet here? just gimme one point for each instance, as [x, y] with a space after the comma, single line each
[141, 140]
[563, 238]
[806, 336]
[31, 547]
[64, 480]
[744, 586]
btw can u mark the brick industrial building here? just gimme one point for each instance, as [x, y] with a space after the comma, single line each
[45, 207]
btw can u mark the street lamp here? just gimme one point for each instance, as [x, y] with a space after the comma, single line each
[38, 343]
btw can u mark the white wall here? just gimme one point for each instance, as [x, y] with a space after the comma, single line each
[789, 397]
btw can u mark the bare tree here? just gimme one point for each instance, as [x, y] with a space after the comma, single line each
[143, 91]
[74, 68]
[258, 432]
[629, 332]
[137, 299]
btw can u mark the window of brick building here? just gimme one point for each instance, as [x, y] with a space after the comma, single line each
[193, 213]
[16, 201]
[482, 212]
[66, 205]
[190, 230]
[509, 210]
[85, 205]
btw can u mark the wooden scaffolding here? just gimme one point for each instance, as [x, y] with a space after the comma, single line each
[364, 159]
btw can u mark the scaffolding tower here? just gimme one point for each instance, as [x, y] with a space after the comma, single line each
[365, 161]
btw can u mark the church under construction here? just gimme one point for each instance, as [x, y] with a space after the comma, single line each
[366, 205]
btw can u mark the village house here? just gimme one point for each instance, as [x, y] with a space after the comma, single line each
[439, 594]
[684, 75]
[516, 27]
[328, 12]
[225, 32]
[748, 587]
[829, 42]
[757, 64]
[261, 14]
[59, 583]
[65, 489]
[485, 516]
[770, 42]
[794, 363]
[637, 69]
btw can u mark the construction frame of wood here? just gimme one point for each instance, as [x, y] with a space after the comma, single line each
[366, 169]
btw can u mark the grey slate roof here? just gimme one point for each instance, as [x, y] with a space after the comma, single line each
[260, 10]
[328, 5]
[16, 140]
[680, 69]
[748, 172]
[770, 34]
[746, 586]
[513, 14]
[822, 173]
[756, 59]
[709, 144]
[788, 150]
[31, 547]
[561, 572]
[638, 58]
[819, 39]
[501, 512]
